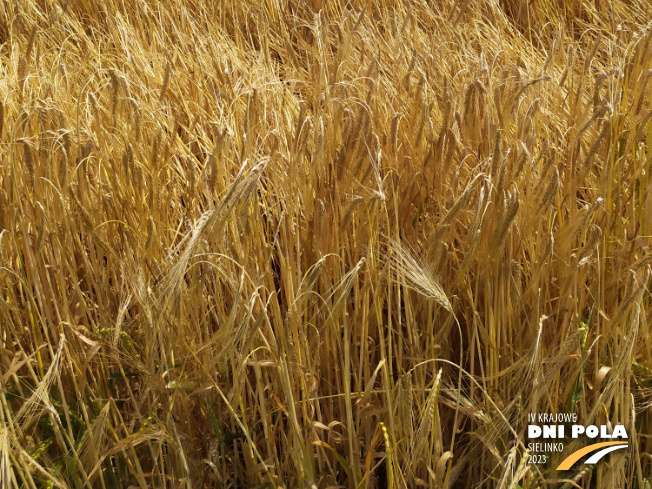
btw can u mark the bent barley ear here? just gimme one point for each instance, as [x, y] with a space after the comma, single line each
[166, 78]
[29, 162]
[550, 192]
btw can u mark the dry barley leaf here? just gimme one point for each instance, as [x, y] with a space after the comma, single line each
[366, 395]
[600, 376]
[440, 469]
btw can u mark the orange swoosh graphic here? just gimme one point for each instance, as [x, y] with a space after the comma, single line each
[575, 456]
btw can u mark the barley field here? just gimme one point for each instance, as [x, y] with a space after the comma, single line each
[324, 243]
